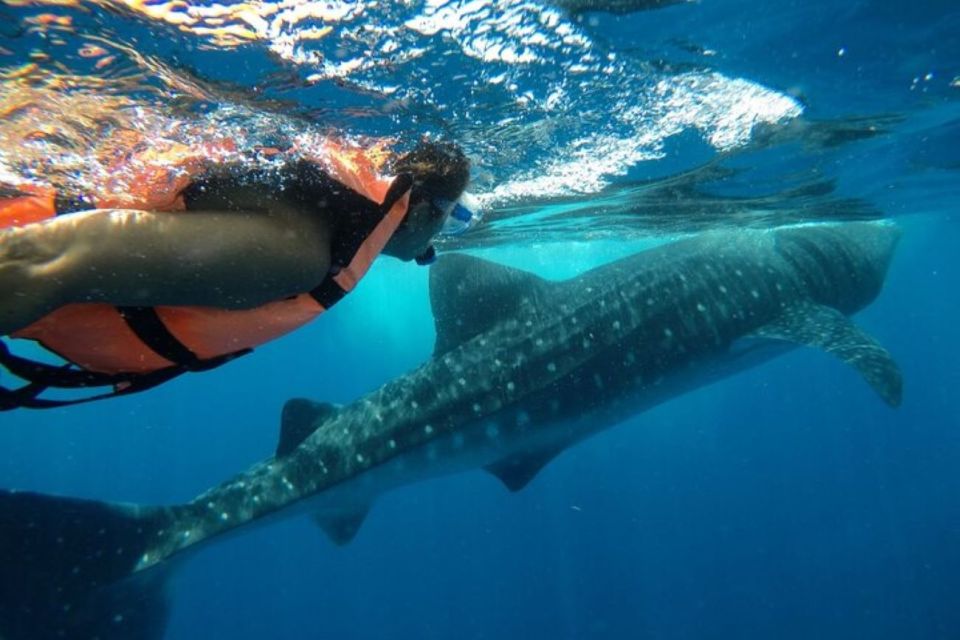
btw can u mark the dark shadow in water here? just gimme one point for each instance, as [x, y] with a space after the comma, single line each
[731, 190]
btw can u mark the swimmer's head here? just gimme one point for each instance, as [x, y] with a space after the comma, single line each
[440, 173]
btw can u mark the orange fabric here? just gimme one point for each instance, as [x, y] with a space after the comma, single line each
[97, 338]
[210, 332]
[349, 276]
[37, 204]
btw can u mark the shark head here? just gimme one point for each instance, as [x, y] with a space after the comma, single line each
[843, 265]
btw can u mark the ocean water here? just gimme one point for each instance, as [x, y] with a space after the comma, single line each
[785, 502]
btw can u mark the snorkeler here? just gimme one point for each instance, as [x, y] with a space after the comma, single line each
[132, 297]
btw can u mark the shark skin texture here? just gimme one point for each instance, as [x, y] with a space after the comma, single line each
[523, 369]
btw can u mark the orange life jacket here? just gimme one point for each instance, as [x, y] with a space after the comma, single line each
[135, 348]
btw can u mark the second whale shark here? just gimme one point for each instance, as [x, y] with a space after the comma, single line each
[523, 368]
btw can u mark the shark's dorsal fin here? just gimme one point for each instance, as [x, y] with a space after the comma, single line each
[468, 295]
[828, 329]
[342, 527]
[516, 471]
[300, 418]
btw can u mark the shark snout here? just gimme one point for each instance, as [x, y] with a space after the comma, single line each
[871, 246]
[853, 256]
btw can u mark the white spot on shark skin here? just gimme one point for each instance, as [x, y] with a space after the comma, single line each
[701, 308]
[497, 363]
[476, 407]
[186, 534]
[528, 323]
[552, 367]
[462, 382]
[428, 429]
[511, 387]
[492, 431]
[210, 505]
[668, 332]
[360, 458]
[722, 288]
[754, 293]
[539, 342]
[586, 343]
[117, 619]
[392, 443]
[616, 325]
[414, 404]
[739, 273]
[650, 302]
[224, 516]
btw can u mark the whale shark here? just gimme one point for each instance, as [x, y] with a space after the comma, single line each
[523, 368]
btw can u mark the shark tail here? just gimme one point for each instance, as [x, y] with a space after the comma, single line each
[71, 568]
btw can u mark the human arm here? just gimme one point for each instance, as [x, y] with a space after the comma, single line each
[234, 259]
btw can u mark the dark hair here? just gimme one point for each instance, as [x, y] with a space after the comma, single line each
[439, 170]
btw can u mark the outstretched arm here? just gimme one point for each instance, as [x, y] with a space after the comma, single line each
[235, 259]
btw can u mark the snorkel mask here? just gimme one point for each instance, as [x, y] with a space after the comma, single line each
[462, 216]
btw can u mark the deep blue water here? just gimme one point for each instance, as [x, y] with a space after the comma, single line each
[785, 502]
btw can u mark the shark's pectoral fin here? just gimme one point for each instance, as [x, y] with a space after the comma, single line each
[516, 471]
[828, 329]
[342, 527]
[300, 418]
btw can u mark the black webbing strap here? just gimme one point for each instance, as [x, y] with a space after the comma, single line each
[146, 323]
[364, 216]
[41, 376]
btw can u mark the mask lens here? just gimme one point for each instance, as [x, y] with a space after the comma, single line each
[459, 218]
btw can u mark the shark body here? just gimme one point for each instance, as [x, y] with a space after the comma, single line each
[523, 368]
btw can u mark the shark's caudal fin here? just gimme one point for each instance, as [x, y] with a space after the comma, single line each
[67, 565]
[468, 295]
[828, 329]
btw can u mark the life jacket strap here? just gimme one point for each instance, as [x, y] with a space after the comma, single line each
[150, 329]
[41, 376]
[329, 292]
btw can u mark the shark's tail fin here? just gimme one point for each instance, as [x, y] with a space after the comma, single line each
[69, 569]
